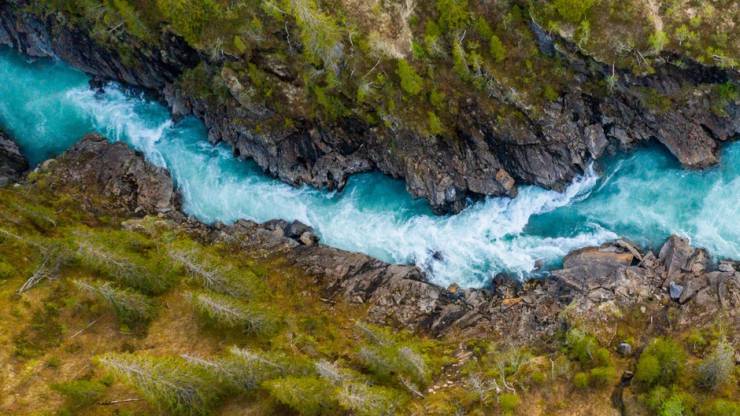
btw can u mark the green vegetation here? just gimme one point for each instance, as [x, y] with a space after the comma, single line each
[661, 363]
[129, 306]
[80, 393]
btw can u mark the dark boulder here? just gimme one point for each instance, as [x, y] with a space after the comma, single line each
[12, 162]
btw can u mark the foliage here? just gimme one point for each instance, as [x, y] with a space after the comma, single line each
[661, 363]
[205, 272]
[190, 18]
[365, 400]
[497, 48]
[226, 312]
[435, 124]
[171, 384]
[721, 407]
[508, 402]
[309, 396]
[130, 307]
[717, 368]
[658, 40]
[320, 35]
[573, 10]
[6, 270]
[453, 14]
[80, 393]
[129, 267]
[411, 82]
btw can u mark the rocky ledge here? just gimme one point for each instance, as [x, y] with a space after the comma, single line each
[12, 162]
[595, 285]
[547, 146]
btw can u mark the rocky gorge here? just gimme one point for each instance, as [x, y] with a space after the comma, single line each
[487, 155]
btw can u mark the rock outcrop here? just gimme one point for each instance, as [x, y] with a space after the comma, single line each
[12, 162]
[115, 173]
[485, 156]
[595, 285]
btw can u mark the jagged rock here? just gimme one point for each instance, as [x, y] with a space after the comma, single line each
[12, 162]
[115, 170]
[675, 255]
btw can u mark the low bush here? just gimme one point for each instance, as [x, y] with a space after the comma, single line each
[411, 82]
[508, 402]
[79, 393]
[6, 270]
[661, 363]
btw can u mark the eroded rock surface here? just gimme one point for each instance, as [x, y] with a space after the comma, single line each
[12, 162]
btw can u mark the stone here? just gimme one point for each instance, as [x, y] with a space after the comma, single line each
[726, 267]
[675, 290]
[308, 239]
[675, 255]
[624, 349]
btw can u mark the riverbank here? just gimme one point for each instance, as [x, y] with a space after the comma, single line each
[103, 195]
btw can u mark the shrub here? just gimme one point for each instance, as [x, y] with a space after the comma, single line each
[483, 28]
[190, 18]
[130, 307]
[508, 402]
[435, 124]
[6, 270]
[658, 40]
[320, 36]
[80, 393]
[498, 50]
[602, 376]
[411, 82]
[453, 15]
[720, 407]
[580, 380]
[309, 396]
[459, 61]
[364, 400]
[585, 349]
[170, 384]
[225, 312]
[573, 10]
[661, 363]
[716, 369]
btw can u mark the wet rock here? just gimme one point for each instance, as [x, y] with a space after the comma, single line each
[12, 162]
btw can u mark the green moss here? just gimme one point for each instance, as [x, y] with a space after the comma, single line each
[6, 270]
[508, 402]
[411, 82]
[573, 10]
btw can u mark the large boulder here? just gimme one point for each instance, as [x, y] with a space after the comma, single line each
[115, 173]
[12, 162]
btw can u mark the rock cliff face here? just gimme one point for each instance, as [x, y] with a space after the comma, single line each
[547, 146]
[595, 285]
[12, 162]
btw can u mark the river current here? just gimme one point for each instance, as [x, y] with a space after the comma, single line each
[644, 196]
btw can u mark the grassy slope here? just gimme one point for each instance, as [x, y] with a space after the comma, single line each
[53, 335]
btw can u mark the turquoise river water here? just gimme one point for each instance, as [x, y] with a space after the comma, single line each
[47, 106]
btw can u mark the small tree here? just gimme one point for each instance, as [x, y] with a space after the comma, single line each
[498, 50]
[661, 363]
[364, 400]
[225, 312]
[309, 396]
[171, 384]
[130, 307]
